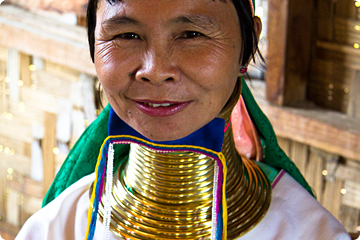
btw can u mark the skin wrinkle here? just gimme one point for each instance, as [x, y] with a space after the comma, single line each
[111, 2]
[161, 65]
[105, 52]
[118, 21]
[196, 20]
[193, 19]
[250, 33]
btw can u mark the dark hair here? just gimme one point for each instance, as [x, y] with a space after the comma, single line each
[243, 9]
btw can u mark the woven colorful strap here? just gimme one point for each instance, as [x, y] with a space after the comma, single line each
[252, 5]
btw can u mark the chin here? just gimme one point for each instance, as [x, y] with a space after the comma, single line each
[163, 137]
[165, 134]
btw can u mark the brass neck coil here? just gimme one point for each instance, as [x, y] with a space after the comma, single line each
[159, 195]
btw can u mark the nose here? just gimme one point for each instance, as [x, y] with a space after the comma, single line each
[157, 68]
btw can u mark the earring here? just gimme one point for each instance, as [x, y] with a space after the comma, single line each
[243, 70]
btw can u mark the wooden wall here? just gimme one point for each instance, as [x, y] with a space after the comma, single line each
[290, 29]
[42, 64]
[325, 146]
[313, 56]
[37, 104]
[313, 75]
[65, 6]
[335, 180]
[335, 73]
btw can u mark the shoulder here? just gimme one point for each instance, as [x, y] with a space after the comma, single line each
[295, 214]
[59, 218]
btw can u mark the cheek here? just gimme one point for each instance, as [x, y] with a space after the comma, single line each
[111, 67]
[210, 62]
[215, 71]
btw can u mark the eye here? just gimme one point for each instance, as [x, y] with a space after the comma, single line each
[128, 36]
[191, 34]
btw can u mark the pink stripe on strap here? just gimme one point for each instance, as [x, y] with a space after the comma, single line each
[277, 178]
[252, 7]
[226, 128]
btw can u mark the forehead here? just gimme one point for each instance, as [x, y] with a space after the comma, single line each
[152, 2]
[215, 10]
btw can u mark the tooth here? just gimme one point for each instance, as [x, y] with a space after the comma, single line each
[165, 104]
[156, 105]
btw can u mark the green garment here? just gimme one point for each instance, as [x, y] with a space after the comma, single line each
[82, 158]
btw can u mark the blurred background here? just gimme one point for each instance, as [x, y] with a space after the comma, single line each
[309, 88]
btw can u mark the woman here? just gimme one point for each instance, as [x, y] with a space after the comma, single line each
[171, 72]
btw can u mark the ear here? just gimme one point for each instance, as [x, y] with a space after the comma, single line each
[257, 27]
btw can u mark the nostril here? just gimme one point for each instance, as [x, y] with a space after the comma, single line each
[156, 77]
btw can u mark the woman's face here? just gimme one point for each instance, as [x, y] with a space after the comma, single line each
[167, 67]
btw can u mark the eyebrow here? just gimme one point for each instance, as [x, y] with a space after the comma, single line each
[195, 19]
[119, 20]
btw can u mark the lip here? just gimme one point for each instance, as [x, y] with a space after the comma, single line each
[174, 108]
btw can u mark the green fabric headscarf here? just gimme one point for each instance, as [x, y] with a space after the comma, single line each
[82, 158]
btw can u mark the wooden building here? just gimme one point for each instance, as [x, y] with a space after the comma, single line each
[312, 81]
[47, 100]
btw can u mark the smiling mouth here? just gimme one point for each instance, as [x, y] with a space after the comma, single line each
[155, 105]
[161, 109]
